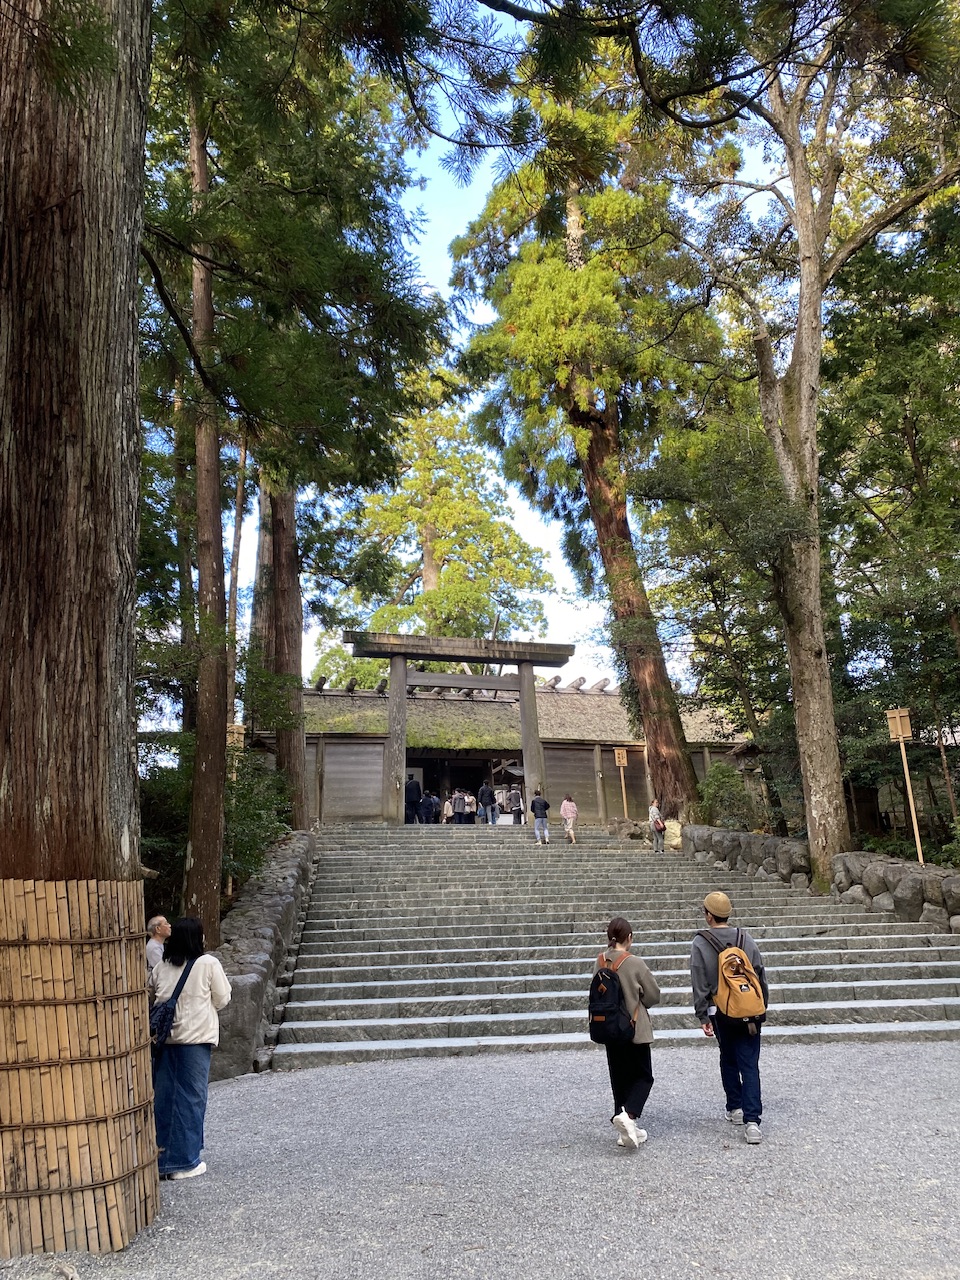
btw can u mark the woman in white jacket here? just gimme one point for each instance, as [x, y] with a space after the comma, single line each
[181, 1070]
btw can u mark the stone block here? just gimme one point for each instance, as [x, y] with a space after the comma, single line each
[951, 893]
[937, 917]
[696, 838]
[770, 866]
[873, 879]
[856, 895]
[893, 873]
[800, 880]
[933, 878]
[727, 845]
[239, 1027]
[955, 924]
[761, 874]
[883, 902]
[908, 897]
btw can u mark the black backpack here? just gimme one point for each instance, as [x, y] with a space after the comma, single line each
[610, 1023]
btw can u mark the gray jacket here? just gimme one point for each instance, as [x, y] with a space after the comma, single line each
[704, 967]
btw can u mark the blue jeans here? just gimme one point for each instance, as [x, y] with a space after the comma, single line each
[491, 813]
[180, 1076]
[540, 829]
[739, 1068]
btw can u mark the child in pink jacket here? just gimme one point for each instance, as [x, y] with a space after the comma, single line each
[568, 812]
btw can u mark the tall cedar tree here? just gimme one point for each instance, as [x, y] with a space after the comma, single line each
[597, 336]
[70, 217]
[317, 314]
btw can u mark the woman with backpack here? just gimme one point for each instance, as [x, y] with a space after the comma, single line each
[628, 1060]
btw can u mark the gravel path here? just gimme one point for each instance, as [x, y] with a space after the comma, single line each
[506, 1166]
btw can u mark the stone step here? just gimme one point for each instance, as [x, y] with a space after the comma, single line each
[575, 933]
[420, 941]
[457, 956]
[570, 1020]
[503, 984]
[915, 989]
[293, 1056]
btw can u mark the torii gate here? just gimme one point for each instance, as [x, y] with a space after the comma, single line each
[401, 649]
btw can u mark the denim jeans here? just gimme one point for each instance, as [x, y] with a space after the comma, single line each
[180, 1076]
[540, 829]
[491, 813]
[739, 1068]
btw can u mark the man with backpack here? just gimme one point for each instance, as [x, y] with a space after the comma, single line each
[730, 998]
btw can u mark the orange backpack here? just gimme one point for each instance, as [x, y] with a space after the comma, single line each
[739, 994]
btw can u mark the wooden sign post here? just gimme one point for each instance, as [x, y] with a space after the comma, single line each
[620, 759]
[898, 721]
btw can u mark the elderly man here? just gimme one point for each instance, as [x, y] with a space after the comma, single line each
[159, 930]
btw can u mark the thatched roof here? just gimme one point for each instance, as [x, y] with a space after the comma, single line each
[451, 722]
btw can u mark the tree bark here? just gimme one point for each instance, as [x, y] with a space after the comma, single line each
[788, 405]
[240, 502]
[70, 219]
[204, 859]
[185, 517]
[262, 625]
[288, 612]
[635, 629]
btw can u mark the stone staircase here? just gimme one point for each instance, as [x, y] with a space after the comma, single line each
[454, 940]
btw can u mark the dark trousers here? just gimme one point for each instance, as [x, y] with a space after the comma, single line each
[180, 1076]
[459, 819]
[517, 816]
[631, 1077]
[410, 814]
[739, 1068]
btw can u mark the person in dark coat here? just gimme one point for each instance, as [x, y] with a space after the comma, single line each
[426, 809]
[412, 795]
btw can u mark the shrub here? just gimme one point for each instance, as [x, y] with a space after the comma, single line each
[724, 801]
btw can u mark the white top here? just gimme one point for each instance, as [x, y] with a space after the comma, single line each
[205, 991]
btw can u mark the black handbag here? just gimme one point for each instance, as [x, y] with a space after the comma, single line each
[162, 1014]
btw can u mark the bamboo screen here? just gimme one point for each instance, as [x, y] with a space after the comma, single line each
[78, 1161]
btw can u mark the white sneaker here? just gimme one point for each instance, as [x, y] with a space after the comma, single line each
[190, 1173]
[628, 1131]
[736, 1116]
[752, 1134]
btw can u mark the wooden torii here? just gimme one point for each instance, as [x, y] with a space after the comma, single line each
[525, 655]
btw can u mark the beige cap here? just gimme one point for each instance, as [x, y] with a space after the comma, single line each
[718, 904]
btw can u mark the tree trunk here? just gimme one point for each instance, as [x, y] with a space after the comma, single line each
[71, 896]
[240, 502]
[205, 842]
[288, 611]
[635, 629]
[788, 406]
[262, 625]
[70, 217]
[185, 517]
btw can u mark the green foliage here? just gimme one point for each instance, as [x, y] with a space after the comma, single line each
[339, 666]
[255, 813]
[724, 801]
[451, 562]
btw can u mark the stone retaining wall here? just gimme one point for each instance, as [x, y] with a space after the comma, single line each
[927, 894]
[255, 937]
[754, 854]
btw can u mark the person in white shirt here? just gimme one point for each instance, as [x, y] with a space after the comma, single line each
[181, 1068]
[159, 930]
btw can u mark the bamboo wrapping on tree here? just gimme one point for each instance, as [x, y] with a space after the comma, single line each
[78, 1157]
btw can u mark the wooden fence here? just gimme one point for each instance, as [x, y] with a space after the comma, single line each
[78, 1160]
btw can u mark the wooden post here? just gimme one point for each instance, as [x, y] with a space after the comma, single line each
[78, 1154]
[601, 793]
[534, 773]
[395, 762]
[898, 722]
[620, 759]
